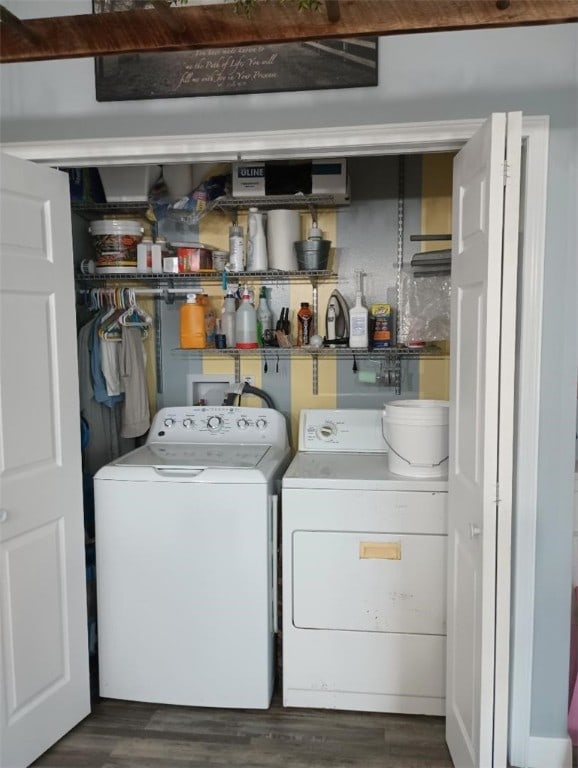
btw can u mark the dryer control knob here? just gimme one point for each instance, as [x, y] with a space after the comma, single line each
[214, 423]
[242, 423]
[327, 431]
[170, 422]
[188, 423]
[261, 423]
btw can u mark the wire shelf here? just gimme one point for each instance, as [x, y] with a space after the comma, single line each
[209, 276]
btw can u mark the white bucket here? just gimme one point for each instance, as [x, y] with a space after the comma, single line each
[115, 242]
[417, 436]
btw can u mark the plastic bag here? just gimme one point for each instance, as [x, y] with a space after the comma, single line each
[424, 308]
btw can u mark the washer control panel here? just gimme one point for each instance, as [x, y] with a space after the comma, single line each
[219, 423]
[343, 430]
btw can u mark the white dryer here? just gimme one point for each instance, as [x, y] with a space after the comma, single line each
[364, 573]
[186, 532]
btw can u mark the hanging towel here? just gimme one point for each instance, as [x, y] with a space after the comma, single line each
[135, 409]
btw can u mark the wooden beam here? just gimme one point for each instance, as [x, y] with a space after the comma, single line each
[217, 26]
[13, 22]
[167, 17]
[332, 9]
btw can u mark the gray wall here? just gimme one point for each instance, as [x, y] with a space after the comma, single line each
[422, 78]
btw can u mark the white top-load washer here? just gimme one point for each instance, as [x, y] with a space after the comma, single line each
[364, 573]
[186, 531]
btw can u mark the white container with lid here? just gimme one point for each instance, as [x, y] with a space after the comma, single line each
[115, 242]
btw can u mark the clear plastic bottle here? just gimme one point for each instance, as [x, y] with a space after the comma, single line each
[264, 320]
[257, 243]
[192, 324]
[143, 255]
[358, 319]
[236, 248]
[228, 320]
[210, 320]
[304, 321]
[246, 323]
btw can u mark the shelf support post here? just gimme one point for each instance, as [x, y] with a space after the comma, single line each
[315, 373]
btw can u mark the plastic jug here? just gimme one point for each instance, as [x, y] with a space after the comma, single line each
[246, 324]
[192, 324]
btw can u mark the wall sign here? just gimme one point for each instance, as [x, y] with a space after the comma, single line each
[314, 65]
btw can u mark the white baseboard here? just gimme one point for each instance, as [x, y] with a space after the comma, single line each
[549, 753]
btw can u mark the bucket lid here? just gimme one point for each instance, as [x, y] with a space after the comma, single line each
[116, 227]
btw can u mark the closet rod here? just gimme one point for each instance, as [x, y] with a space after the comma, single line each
[144, 291]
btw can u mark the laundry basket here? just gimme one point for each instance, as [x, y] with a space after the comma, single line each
[417, 436]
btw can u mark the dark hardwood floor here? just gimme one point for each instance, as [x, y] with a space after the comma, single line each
[123, 734]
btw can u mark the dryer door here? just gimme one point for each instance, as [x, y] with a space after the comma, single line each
[369, 582]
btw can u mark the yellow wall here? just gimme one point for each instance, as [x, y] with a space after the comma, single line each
[436, 217]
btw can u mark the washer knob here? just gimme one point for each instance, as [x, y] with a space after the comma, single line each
[261, 423]
[188, 423]
[170, 422]
[242, 423]
[214, 423]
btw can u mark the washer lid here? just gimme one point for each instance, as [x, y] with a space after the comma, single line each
[194, 455]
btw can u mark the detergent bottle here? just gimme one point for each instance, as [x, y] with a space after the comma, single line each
[192, 324]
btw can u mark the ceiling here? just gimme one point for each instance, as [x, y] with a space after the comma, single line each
[163, 27]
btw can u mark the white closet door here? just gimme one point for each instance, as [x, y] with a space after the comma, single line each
[484, 257]
[44, 683]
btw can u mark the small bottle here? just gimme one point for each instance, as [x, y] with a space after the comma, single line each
[159, 251]
[304, 320]
[264, 320]
[257, 243]
[144, 255]
[246, 323]
[192, 324]
[236, 249]
[228, 320]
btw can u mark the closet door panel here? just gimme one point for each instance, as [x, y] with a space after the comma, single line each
[44, 689]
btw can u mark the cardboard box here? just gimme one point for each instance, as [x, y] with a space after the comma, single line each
[329, 177]
[290, 177]
[248, 179]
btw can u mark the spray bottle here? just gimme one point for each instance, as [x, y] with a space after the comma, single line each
[358, 318]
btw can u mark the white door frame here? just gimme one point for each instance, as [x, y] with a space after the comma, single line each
[395, 139]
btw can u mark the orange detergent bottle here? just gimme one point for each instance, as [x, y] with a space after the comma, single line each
[192, 324]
